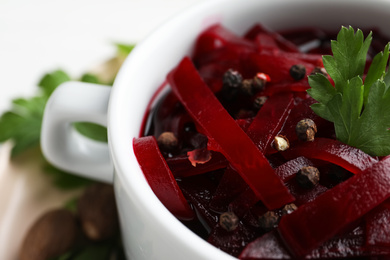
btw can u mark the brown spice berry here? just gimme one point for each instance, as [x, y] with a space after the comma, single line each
[228, 221]
[268, 221]
[98, 213]
[308, 177]
[259, 102]
[289, 208]
[52, 235]
[247, 87]
[319, 70]
[281, 143]
[298, 71]
[306, 130]
[167, 141]
[258, 84]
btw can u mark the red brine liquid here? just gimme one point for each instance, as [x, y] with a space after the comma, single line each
[232, 167]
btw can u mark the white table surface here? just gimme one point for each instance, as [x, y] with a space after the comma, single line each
[38, 36]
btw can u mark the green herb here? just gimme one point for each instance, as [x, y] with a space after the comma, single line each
[124, 49]
[358, 110]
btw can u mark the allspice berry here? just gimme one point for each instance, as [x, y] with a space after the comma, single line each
[306, 130]
[281, 143]
[289, 208]
[52, 235]
[231, 83]
[268, 221]
[308, 177]
[228, 221]
[98, 213]
[167, 142]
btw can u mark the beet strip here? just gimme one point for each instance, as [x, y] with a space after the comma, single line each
[270, 120]
[236, 146]
[317, 221]
[333, 151]
[160, 178]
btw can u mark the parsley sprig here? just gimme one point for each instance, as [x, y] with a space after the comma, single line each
[359, 109]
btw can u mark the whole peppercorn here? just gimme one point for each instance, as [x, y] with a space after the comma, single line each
[231, 83]
[281, 143]
[259, 102]
[259, 82]
[289, 208]
[167, 141]
[308, 177]
[298, 71]
[268, 221]
[306, 130]
[228, 221]
[319, 70]
[247, 87]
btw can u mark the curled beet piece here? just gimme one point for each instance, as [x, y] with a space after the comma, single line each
[333, 151]
[318, 221]
[160, 178]
[236, 146]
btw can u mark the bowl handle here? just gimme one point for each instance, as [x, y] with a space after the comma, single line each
[62, 145]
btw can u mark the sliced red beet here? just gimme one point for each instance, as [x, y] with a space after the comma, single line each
[181, 166]
[349, 245]
[160, 178]
[217, 37]
[378, 227]
[235, 145]
[270, 120]
[316, 222]
[243, 202]
[198, 190]
[302, 195]
[333, 151]
[277, 66]
[232, 242]
[285, 87]
[230, 186]
[282, 42]
[288, 170]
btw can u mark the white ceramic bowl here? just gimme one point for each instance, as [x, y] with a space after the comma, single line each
[149, 230]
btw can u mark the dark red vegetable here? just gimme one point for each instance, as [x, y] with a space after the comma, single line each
[160, 178]
[317, 221]
[350, 158]
[236, 146]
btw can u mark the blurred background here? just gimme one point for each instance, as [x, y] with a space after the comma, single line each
[40, 36]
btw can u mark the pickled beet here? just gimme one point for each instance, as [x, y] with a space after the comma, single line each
[160, 177]
[236, 146]
[225, 160]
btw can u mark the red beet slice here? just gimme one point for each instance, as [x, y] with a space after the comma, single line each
[160, 178]
[333, 151]
[319, 220]
[230, 186]
[288, 170]
[378, 228]
[235, 145]
[232, 242]
[270, 120]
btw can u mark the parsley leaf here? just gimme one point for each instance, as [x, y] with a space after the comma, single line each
[358, 110]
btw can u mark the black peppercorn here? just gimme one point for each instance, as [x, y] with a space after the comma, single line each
[308, 177]
[228, 221]
[306, 130]
[298, 71]
[258, 83]
[268, 221]
[167, 141]
[231, 83]
[289, 208]
[259, 102]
